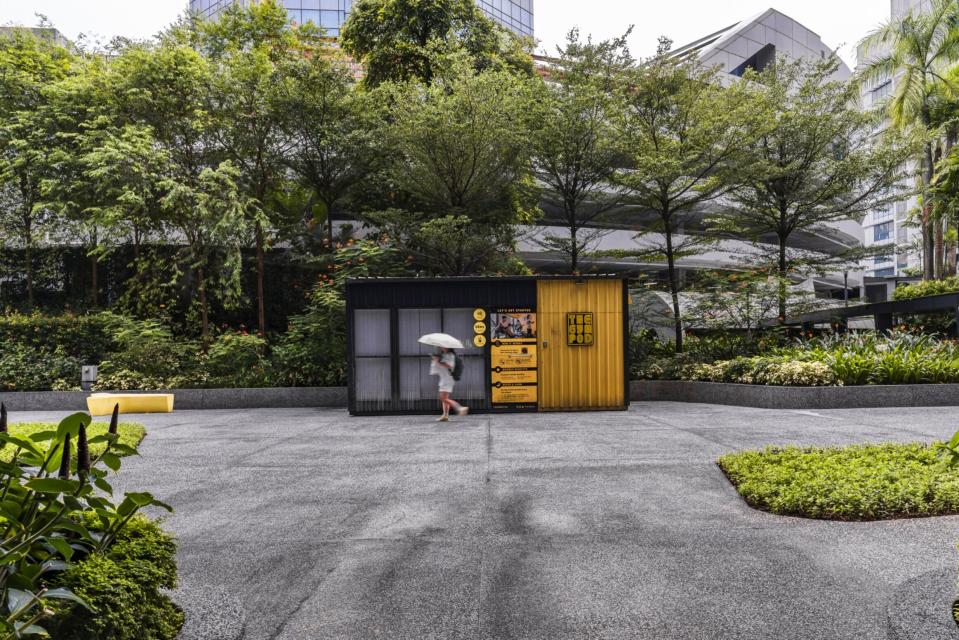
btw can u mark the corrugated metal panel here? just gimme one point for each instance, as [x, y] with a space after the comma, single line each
[580, 377]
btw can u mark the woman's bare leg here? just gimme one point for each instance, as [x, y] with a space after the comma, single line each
[445, 403]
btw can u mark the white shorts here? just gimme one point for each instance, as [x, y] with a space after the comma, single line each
[446, 383]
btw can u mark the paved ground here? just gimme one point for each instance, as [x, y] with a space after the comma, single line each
[527, 526]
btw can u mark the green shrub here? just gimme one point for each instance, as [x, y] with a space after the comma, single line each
[926, 288]
[83, 337]
[236, 359]
[313, 350]
[27, 368]
[873, 358]
[59, 513]
[148, 356]
[863, 482]
[766, 371]
[123, 587]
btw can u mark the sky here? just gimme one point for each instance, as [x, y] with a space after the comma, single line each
[840, 23]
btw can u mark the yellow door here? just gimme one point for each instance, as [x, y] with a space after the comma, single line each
[581, 344]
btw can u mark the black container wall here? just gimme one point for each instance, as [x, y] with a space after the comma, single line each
[388, 370]
[438, 304]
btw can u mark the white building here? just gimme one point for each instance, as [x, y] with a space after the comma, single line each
[888, 226]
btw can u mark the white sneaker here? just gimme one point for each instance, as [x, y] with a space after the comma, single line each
[463, 411]
[443, 419]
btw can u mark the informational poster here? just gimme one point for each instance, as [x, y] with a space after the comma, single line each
[579, 330]
[513, 362]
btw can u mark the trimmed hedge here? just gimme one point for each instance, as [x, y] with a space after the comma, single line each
[862, 482]
[83, 337]
[124, 587]
[926, 288]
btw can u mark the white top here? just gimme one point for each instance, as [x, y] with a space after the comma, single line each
[445, 374]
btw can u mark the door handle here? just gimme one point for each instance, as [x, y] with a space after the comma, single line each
[545, 343]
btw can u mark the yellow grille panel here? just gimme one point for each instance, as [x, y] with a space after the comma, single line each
[580, 376]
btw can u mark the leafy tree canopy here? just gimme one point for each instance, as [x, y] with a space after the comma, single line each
[400, 39]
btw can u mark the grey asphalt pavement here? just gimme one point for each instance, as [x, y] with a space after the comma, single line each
[592, 525]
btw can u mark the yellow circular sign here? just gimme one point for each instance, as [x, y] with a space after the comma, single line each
[479, 341]
[479, 327]
[479, 315]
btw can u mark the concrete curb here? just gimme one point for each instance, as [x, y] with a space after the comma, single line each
[741, 395]
[921, 608]
[190, 399]
[763, 397]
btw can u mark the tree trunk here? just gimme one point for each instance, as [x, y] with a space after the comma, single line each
[94, 277]
[136, 243]
[573, 249]
[928, 240]
[260, 268]
[674, 290]
[939, 241]
[329, 226]
[204, 310]
[28, 257]
[781, 291]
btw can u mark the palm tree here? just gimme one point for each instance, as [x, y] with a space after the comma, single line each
[916, 51]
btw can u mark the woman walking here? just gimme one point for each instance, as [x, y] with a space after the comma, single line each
[443, 364]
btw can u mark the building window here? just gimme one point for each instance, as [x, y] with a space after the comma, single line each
[882, 232]
[882, 214]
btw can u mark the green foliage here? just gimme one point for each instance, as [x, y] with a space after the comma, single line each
[684, 137]
[450, 245]
[313, 350]
[148, 356]
[775, 371]
[848, 359]
[124, 587]
[83, 337]
[236, 359]
[52, 521]
[461, 145]
[32, 66]
[815, 129]
[24, 368]
[864, 482]
[872, 358]
[575, 149]
[334, 137]
[926, 288]
[402, 40]
[653, 359]
[131, 435]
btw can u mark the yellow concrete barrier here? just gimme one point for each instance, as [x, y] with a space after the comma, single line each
[101, 404]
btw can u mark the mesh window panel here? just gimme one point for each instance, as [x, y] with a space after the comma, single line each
[371, 368]
[418, 389]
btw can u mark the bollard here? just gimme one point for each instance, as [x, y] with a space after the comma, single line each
[88, 376]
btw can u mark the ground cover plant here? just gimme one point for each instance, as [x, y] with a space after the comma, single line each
[839, 359]
[860, 482]
[75, 562]
[130, 434]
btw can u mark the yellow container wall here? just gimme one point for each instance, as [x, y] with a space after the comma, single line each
[581, 377]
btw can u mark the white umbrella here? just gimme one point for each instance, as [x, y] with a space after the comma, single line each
[441, 340]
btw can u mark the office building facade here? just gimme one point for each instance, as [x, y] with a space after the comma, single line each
[889, 226]
[515, 15]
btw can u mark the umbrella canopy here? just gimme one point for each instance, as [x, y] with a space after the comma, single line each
[441, 340]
